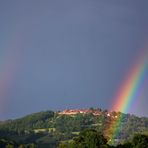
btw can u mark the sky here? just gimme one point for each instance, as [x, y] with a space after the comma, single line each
[57, 55]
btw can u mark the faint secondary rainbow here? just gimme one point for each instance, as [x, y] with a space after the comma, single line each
[129, 91]
[10, 59]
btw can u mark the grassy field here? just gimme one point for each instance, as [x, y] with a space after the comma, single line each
[40, 130]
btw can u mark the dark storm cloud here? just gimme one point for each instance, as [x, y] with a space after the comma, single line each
[74, 53]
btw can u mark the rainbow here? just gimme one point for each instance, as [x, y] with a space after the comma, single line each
[129, 92]
[10, 59]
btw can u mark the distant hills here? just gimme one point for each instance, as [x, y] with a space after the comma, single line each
[50, 128]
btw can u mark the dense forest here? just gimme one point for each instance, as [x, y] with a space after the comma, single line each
[51, 129]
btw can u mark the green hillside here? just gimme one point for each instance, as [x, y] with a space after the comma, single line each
[48, 128]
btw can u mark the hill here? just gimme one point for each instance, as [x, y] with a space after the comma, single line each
[49, 127]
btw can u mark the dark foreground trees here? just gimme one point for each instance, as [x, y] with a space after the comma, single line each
[87, 139]
[140, 141]
[92, 139]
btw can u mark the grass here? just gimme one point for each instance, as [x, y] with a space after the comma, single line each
[41, 130]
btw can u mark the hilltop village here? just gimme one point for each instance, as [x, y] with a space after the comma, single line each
[95, 112]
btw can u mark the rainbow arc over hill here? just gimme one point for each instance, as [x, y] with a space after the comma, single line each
[130, 91]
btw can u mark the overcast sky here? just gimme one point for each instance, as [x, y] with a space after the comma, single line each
[68, 54]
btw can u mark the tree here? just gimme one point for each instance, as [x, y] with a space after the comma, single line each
[140, 141]
[89, 139]
[9, 146]
[125, 145]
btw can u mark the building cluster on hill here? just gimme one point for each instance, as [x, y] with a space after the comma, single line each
[95, 112]
[80, 111]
